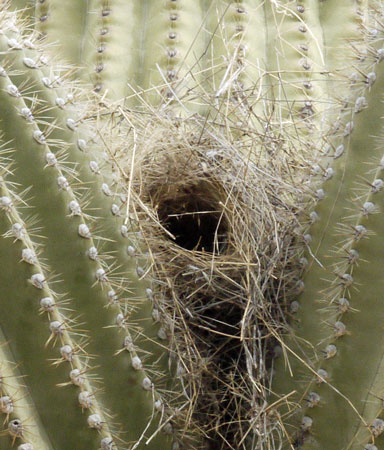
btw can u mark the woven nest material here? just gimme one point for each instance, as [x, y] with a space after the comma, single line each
[218, 210]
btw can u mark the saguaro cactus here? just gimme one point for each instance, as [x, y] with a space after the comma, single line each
[330, 369]
[47, 167]
[242, 123]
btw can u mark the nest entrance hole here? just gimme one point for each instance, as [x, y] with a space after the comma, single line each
[194, 217]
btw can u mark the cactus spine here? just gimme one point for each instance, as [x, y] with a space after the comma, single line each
[330, 368]
[263, 71]
[340, 305]
[50, 168]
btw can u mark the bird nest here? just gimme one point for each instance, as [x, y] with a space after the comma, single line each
[217, 208]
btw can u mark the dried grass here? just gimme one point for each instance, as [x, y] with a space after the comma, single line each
[217, 197]
[218, 209]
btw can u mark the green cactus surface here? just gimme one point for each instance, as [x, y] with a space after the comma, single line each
[190, 224]
[46, 164]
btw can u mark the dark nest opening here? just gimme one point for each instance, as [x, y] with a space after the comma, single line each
[219, 234]
[193, 219]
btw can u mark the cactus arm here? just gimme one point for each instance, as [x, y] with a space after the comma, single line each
[251, 22]
[286, 62]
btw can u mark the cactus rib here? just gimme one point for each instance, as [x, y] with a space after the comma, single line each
[30, 110]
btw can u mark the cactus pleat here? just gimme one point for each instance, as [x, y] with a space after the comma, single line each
[340, 303]
[38, 125]
[14, 402]
[137, 50]
[234, 63]
[296, 64]
[63, 23]
[19, 5]
[112, 45]
[25, 310]
[175, 41]
[277, 83]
